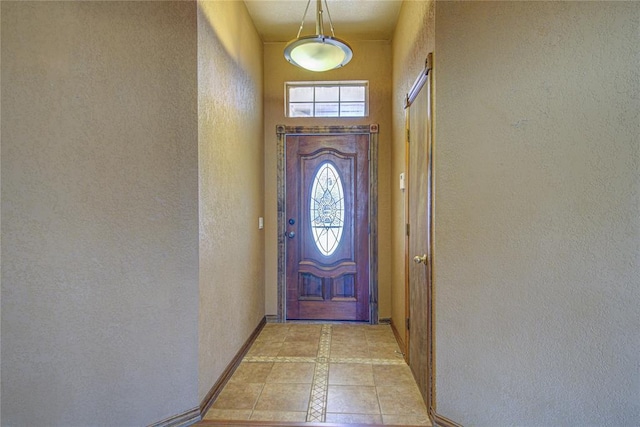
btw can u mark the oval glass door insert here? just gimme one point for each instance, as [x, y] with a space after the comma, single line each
[327, 209]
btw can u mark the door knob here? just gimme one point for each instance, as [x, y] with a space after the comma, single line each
[420, 259]
[291, 235]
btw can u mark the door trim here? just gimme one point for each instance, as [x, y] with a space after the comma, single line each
[372, 131]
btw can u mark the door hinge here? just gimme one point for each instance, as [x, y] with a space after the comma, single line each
[408, 324]
[407, 229]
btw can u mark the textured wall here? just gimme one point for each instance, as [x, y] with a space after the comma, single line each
[537, 213]
[371, 61]
[99, 221]
[412, 41]
[231, 158]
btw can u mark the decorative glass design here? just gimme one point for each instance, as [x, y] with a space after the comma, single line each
[327, 209]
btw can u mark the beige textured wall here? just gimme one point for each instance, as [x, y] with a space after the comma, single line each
[231, 167]
[412, 41]
[537, 213]
[99, 212]
[371, 61]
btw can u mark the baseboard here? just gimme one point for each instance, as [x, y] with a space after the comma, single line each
[233, 365]
[186, 418]
[441, 421]
[398, 339]
[272, 318]
[194, 415]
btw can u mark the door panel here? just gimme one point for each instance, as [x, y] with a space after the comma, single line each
[419, 245]
[327, 244]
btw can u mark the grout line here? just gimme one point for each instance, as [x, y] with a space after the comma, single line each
[256, 402]
[379, 405]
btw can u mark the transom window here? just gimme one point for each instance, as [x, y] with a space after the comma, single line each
[327, 99]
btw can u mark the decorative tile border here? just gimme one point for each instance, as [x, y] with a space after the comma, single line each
[279, 359]
[367, 361]
[360, 360]
[317, 410]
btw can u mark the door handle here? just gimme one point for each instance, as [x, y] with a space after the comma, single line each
[420, 259]
[291, 235]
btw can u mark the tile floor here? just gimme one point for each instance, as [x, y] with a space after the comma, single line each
[322, 373]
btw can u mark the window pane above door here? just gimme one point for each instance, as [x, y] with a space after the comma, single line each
[301, 94]
[327, 94]
[326, 109]
[327, 99]
[352, 93]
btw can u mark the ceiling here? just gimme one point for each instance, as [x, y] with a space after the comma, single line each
[279, 20]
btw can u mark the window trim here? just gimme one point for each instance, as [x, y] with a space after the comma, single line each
[316, 84]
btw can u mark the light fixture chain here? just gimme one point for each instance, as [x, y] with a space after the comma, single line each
[304, 16]
[326, 6]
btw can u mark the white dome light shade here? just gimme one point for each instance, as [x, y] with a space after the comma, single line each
[318, 53]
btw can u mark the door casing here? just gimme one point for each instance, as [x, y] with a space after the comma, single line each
[372, 131]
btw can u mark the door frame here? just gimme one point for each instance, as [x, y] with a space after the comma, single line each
[371, 130]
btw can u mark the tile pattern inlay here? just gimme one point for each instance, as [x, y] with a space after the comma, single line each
[318, 402]
[365, 361]
[279, 359]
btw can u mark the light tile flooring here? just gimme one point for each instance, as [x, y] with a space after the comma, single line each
[322, 373]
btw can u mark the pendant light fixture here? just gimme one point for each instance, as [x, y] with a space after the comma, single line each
[318, 52]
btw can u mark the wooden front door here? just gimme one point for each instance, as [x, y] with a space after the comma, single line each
[327, 222]
[419, 239]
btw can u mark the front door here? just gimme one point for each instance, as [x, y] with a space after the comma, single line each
[327, 222]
